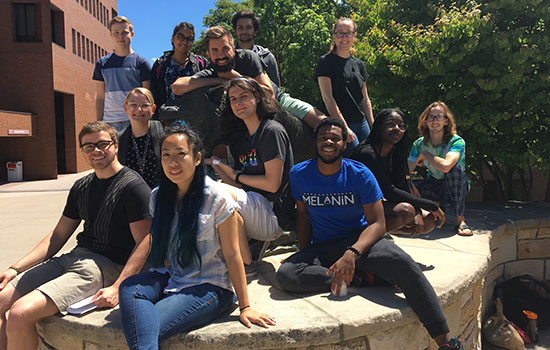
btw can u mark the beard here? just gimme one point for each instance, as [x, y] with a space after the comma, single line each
[332, 159]
[226, 67]
[246, 39]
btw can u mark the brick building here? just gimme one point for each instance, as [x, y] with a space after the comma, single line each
[47, 53]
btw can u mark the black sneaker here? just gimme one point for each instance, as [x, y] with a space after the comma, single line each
[257, 249]
[453, 344]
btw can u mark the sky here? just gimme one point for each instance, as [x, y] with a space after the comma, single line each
[155, 20]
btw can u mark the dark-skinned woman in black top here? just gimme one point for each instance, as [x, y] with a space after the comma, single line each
[385, 153]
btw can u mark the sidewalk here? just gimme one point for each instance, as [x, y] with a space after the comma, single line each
[62, 183]
[29, 210]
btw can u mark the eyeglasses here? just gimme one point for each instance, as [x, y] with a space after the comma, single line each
[341, 35]
[182, 37]
[100, 145]
[143, 106]
[433, 118]
[401, 126]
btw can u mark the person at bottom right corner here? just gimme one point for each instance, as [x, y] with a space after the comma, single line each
[443, 153]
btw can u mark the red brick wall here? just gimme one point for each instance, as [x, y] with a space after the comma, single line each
[31, 73]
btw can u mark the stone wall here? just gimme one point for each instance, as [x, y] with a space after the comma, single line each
[464, 272]
[517, 249]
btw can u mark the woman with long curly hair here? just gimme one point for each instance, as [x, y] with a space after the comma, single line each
[443, 153]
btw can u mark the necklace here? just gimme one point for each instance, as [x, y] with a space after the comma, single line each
[141, 158]
[181, 65]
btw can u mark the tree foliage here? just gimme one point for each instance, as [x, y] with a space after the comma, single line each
[487, 59]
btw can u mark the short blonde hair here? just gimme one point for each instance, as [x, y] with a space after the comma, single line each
[141, 90]
[121, 19]
[448, 131]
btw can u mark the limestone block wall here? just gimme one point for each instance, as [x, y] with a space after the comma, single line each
[517, 249]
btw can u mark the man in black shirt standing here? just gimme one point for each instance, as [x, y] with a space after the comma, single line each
[246, 24]
[114, 204]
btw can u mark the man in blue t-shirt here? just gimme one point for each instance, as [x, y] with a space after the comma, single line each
[118, 73]
[340, 224]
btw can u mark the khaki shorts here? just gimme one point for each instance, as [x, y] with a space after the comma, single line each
[260, 222]
[69, 278]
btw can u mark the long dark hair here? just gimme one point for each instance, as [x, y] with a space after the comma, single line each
[184, 241]
[232, 126]
[399, 170]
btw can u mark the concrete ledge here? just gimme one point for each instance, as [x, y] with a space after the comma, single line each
[368, 318]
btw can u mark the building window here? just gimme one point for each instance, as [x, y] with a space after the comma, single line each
[58, 26]
[83, 47]
[74, 41]
[78, 44]
[88, 50]
[25, 22]
[113, 13]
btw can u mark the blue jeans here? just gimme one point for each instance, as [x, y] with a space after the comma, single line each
[361, 131]
[149, 316]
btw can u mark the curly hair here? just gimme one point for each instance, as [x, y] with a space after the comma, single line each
[448, 130]
[245, 14]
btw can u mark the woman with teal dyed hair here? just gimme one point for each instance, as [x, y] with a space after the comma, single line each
[195, 253]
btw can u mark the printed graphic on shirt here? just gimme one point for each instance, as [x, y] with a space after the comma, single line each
[328, 200]
[249, 159]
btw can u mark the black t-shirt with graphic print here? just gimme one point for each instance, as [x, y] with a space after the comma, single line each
[270, 141]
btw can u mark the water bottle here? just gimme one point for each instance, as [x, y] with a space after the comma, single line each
[532, 330]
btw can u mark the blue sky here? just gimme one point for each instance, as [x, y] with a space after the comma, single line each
[154, 21]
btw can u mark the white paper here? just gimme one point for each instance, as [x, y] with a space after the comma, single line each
[81, 307]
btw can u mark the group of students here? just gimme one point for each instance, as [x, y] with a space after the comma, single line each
[200, 229]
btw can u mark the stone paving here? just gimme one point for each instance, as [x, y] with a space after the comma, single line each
[30, 209]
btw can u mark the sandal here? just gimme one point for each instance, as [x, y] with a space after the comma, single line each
[461, 230]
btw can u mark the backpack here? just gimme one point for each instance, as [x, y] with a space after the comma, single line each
[525, 293]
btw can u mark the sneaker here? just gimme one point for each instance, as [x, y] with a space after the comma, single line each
[250, 269]
[257, 249]
[453, 344]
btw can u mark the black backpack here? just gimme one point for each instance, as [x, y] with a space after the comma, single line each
[525, 293]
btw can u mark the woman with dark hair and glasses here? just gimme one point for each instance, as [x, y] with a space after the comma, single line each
[194, 253]
[342, 81]
[385, 153]
[443, 153]
[178, 62]
[262, 155]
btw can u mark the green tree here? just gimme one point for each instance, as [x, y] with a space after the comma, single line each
[487, 60]
[220, 15]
